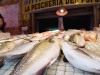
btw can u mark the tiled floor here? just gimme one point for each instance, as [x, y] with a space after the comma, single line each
[62, 68]
[58, 68]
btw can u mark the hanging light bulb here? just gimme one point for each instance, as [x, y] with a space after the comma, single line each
[62, 11]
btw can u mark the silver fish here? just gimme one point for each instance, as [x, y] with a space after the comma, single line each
[94, 46]
[78, 39]
[6, 46]
[81, 58]
[10, 45]
[21, 49]
[15, 38]
[69, 33]
[41, 56]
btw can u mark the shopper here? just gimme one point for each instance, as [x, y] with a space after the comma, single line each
[2, 24]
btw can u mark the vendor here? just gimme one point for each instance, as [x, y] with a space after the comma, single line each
[2, 24]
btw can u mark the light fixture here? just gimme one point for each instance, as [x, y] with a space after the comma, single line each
[61, 11]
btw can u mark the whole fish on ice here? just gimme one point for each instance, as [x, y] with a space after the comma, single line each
[13, 38]
[21, 49]
[40, 57]
[10, 45]
[81, 58]
[69, 33]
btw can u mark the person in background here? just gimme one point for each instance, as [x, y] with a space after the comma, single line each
[2, 24]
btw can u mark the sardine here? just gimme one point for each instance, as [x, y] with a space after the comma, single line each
[80, 59]
[41, 56]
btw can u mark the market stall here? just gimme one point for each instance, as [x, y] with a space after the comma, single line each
[81, 14]
[48, 46]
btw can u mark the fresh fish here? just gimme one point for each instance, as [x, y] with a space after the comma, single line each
[21, 49]
[13, 38]
[92, 46]
[6, 46]
[20, 42]
[44, 35]
[90, 35]
[9, 45]
[69, 33]
[36, 38]
[41, 36]
[41, 56]
[78, 39]
[80, 59]
[60, 34]
[5, 40]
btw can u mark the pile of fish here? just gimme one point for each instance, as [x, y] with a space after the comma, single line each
[18, 45]
[37, 48]
[81, 49]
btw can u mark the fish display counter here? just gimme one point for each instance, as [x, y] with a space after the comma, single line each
[57, 68]
[39, 53]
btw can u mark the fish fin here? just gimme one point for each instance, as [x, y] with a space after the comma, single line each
[52, 62]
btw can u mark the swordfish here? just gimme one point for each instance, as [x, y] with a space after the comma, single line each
[43, 55]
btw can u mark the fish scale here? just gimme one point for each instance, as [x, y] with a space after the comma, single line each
[92, 46]
[89, 45]
[23, 61]
[40, 50]
[21, 67]
[21, 64]
[93, 54]
[90, 52]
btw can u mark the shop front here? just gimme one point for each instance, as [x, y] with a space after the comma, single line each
[83, 14]
[77, 18]
[43, 41]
